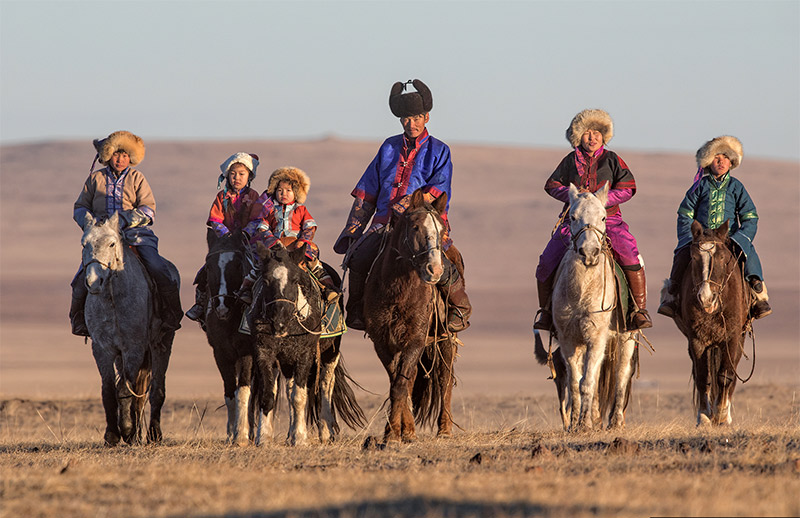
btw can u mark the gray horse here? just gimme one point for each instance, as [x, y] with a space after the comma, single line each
[131, 353]
[590, 326]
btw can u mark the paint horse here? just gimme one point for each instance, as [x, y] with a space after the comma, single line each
[286, 318]
[599, 353]
[714, 318]
[131, 353]
[403, 312]
[226, 265]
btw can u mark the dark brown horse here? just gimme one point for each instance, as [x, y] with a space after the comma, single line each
[402, 310]
[714, 317]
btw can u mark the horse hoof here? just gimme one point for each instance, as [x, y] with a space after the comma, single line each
[444, 434]
[154, 434]
[111, 438]
[409, 437]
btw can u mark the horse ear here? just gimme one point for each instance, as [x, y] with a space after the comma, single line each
[722, 231]
[602, 193]
[697, 229]
[88, 221]
[417, 199]
[573, 192]
[262, 250]
[440, 203]
[114, 220]
[298, 255]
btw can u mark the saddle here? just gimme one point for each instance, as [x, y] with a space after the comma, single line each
[332, 320]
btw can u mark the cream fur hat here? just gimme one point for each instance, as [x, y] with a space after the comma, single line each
[597, 120]
[249, 160]
[120, 141]
[724, 145]
[297, 177]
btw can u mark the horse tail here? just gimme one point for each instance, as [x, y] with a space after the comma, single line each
[432, 374]
[344, 399]
[538, 348]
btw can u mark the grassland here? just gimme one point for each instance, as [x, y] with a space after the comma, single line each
[509, 459]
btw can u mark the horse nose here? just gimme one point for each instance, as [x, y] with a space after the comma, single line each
[220, 308]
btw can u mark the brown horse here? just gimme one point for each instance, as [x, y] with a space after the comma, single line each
[401, 304]
[714, 317]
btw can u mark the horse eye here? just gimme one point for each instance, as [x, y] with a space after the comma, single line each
[112, 245]
[604, 218]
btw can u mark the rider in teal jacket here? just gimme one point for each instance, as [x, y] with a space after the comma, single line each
[714, 198]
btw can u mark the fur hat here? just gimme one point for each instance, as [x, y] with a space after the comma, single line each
[724, 145]
[249, 160]
[411, 103]
[297, 177]
[119, 141]
[597, 120]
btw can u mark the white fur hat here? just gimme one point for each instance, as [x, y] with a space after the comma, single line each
[724, 145]
[597, 120]
[249, 160]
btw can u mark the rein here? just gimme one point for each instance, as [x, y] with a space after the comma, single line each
[296, 314]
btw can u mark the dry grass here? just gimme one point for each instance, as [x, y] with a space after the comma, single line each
[509, 460]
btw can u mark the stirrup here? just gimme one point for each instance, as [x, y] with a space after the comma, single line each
[545, 321]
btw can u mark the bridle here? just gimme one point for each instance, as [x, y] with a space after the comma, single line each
[296, 313]
[601, 235]
[406, 242]
[223, 296]
[708, 248]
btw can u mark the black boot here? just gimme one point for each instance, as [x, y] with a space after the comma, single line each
[326, 285]
[638, 286]
[355, 302]
[76, 315]
[171, 312]
[545, 290]
[760, 307]
[459, 308]
[198, 311]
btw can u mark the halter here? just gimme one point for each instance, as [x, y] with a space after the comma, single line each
[601, 235]
[222, 296]
[296, 314]
[413, 258]
[716, 288]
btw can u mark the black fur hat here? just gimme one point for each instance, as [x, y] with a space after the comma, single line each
[410, 103]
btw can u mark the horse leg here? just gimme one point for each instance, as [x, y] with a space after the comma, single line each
[297, 393]
[327, 425]
[702, 383]
[241, 429]
[401, 418]
[158, 392]
[446, 378]
[227, 370]
[731, 353]
[574, 356]
[269, 390]
[622, 380]
[595, 356]
[105, 365]
[268, 370]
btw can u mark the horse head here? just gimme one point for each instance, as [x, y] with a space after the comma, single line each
[587, 212]
[225, 269]
[709, 271]
[103, 251]
[283, 299]
[419, 233]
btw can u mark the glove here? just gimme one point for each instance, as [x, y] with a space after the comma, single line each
[133, 218]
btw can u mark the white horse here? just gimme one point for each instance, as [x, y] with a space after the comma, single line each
[125, 333]
[588, 322]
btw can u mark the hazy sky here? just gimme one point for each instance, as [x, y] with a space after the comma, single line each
[671, 73]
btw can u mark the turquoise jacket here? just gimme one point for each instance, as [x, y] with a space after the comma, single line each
[712, 202]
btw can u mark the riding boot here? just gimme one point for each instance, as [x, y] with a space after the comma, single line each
[355, 302]
[245, 291]
[198, 311]
[329, 290]
[76, 315]
[760, 307]
[545, 289]
[459, 308]
[638, 287]
[669, 300]
[171, 312]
